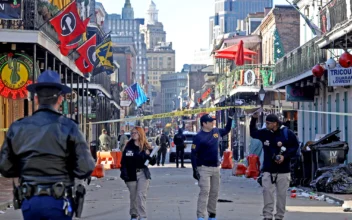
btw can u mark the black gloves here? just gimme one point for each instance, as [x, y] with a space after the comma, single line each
[196, 174]
[152, 160]
[231, 112]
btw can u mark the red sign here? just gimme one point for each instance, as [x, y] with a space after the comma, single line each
[206, 94]
[15, 74]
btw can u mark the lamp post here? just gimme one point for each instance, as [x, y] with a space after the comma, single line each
[261, 98]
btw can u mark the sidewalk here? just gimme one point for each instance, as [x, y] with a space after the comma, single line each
[340, 198]
[5, 192]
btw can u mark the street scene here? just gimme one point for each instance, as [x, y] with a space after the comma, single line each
[201, 109]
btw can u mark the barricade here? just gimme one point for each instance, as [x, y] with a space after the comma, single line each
[99, 171]
[253, 169]
[110, 160]
[227, 160]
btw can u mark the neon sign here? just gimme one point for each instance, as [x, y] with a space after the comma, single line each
[16, 71]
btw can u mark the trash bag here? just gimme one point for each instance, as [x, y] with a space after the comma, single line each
[336, 179]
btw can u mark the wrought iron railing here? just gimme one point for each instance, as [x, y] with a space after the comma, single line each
[103, 80]
[299, 61]
[334, 13]
[35, 18]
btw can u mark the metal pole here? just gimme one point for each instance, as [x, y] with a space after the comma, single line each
[72, 106]
[46, 60]
[82, 115]
[262, 106]
[78, 99]
[34, 73]
[87, 104]
[65, 98]
[54, 65]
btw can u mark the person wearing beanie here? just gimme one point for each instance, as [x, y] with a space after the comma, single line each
[279, 145]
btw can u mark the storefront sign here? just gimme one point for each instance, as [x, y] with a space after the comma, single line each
[126, 103]
[11, 9]
[299, 94]
[249, 77]
[340, 77]
[15, 74]
[206, 94]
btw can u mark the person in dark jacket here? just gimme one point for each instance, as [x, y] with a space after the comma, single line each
[47, 151]
[164, 143]
[279, 145]
[206, 164]
[179, 141]
[135, 173]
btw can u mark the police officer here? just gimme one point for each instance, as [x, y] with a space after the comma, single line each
[164, 143]
[206, 164]
[47, 151]
[179, 140]
[279, 145]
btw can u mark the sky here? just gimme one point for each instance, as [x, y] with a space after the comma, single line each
[186, 22]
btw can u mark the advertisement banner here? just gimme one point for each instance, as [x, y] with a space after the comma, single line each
[11, 9]
[300, 94]
[340, 77]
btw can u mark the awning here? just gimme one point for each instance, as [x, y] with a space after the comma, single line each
[219, 100]
[231, 56]
[115, 104]
[233, 50]
[38, 37]
[293, 80]
[337, 37]
[243, 89]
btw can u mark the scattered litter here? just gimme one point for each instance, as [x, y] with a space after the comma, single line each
[224, 200]
[98, 186]
[112, 178]
[330, 201]
[2, 212]
[347, 210]
[93, 178]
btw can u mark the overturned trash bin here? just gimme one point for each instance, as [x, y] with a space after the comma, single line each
[328, 151]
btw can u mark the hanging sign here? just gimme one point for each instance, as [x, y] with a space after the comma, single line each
[340, 77]
[15, 75]
[299, 94]
[11, 9]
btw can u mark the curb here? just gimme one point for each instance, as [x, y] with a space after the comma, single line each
[5, 205]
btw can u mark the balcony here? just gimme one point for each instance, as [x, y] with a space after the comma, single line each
[35, 28]
[337, 15]
[299, 61]
[103, 80]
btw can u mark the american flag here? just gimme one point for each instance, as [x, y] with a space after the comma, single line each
[132, 92]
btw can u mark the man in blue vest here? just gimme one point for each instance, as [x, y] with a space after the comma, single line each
[47, 151]
[206, 164]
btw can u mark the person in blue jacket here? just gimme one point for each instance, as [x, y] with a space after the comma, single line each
[206, 164]
[279, 145]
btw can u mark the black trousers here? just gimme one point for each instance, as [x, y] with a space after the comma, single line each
[180, 151]
[162, 152]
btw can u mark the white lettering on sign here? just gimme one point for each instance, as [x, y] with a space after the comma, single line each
[333, 157]
[249, 77]
[2, 7]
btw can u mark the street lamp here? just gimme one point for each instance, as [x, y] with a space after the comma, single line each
[261, 98]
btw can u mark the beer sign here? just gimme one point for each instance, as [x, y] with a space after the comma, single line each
[16, 71]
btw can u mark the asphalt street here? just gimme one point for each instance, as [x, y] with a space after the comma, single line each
[173, 196]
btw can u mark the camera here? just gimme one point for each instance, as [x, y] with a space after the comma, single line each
[277, 157]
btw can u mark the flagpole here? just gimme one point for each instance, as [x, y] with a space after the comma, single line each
[56, 13]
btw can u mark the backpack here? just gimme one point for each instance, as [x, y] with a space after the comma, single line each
[163, 140]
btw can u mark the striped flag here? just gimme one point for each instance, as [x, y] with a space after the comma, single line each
[136, 93]
[132, 92]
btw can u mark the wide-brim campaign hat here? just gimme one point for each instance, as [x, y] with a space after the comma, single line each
[49, 78]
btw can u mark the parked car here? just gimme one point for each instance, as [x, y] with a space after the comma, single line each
[240, 101]
[188, 142]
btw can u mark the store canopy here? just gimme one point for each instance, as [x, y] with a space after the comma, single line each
[233, 50]
[231, 56]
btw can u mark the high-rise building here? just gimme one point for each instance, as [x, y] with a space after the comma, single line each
[125, 30]
[160, 55]
[229, 12]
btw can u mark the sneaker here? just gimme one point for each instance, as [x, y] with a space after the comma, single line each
[158, 164]
[211, 218]
[200, 219]
[183, 167]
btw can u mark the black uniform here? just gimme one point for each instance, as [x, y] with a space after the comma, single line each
[44, 149]
[179, 141]
[164, 143]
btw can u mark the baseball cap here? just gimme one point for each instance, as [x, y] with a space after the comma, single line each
[272, 118]
[206, 118]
